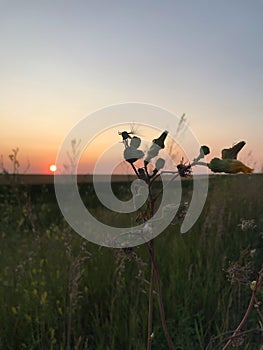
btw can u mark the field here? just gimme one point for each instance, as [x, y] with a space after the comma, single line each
[58, 291]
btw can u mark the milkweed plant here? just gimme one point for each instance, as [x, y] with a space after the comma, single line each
[148, 166]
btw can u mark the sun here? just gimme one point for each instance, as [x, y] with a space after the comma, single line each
[53, 168]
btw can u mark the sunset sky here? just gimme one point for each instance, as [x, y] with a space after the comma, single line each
[61, 60]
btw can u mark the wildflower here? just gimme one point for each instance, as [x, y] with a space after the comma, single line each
[237, 273]
[247, 224]
[230, 166]
[52, 335]
[43, 298]
[229, 163]
[14, 310]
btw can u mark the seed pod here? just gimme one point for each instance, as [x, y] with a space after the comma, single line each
[135, 142]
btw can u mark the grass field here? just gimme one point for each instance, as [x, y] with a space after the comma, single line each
[58, 291]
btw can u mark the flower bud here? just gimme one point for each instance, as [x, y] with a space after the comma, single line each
[253, 285]
[231, 153]
[125, 135]
[135, 142]
[161, 139]
[205, 150]
[156, 146]
[159, 163]
[132, 154]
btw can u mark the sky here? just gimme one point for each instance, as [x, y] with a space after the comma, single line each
[62, 60]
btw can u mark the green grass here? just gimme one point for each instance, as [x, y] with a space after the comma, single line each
[58, 291]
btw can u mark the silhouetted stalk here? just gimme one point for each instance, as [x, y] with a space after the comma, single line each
[132, 154]
[155, 274]
[135, 170]
[150, 309]
[151, 288]
[160, 297]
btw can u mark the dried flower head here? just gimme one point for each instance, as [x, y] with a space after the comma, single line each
[237, 273]
[247, 224]
[184, 169]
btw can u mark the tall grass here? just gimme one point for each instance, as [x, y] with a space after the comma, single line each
[58, 291]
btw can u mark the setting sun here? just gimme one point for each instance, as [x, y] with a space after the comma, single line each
[53, 168]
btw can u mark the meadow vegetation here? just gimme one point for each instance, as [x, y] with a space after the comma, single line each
[58, 291]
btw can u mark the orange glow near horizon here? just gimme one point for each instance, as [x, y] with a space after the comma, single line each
[33, 160]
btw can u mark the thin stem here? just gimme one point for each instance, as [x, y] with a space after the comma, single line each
[240, 334]
[150, 309]
[160, 299]
[249, 308]
[161, 191]
[151, 245]
[154, 274]
[176, 174]
[135, 170]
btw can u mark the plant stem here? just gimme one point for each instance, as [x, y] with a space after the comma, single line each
[135, 170]
[150, 309]
[249, 308]
[151, 246]
[160, 298]
[154, 274]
